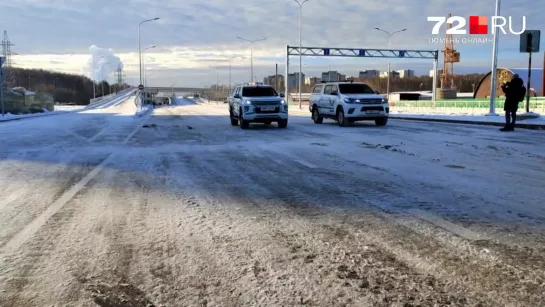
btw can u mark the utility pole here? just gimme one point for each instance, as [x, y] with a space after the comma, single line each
[276, 77]
[2, 60]
[217, 83]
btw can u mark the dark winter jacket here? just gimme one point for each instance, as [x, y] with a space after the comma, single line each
[514, 93]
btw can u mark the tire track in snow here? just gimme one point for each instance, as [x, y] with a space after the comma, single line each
[279, 200]
[31, 228]
[51, 257]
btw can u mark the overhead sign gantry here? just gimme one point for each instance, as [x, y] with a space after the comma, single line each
[363, 53]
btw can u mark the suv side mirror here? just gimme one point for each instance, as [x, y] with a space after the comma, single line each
[282, 95]
[377, 92]
[236, 96]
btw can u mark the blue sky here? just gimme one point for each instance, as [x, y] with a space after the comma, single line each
[193, 37]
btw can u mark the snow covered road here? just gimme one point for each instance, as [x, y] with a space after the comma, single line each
[178, 208]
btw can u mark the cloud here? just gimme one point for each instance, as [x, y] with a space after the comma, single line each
[192, 35]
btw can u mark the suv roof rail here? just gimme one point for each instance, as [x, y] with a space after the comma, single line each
[346, 81]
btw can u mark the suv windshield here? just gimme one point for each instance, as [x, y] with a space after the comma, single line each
[355, 88]
[258, 91]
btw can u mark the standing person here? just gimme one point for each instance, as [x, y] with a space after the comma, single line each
[514, 93]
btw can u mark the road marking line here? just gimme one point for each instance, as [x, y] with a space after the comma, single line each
[140, 124]
[101, 132]
[437, 221]
[57, 205]
[81, 137]
[307, 164]
[38, 222]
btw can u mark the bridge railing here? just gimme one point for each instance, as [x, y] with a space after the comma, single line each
[94, 101]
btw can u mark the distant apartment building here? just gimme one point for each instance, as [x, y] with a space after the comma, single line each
[439, 73]
[404, 73]
[271, 80]
[293, 80]
[312, 80]
[369, 74]
[332, 76]
[384, 74]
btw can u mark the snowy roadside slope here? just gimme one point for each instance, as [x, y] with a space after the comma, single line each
[68, 109]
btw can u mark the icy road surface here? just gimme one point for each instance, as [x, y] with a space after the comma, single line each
[178, 208]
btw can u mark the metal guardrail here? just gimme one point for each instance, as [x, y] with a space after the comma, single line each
[94, 101]
[459, 106]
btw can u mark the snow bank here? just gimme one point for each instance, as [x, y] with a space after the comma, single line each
[540, 121]
[144, 110]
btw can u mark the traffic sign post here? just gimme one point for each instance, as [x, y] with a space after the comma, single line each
[529, 43]
[141, 87]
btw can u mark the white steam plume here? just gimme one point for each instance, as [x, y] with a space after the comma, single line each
[102, 64]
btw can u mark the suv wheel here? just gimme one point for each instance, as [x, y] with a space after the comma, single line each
[234, 121]
[343, 122]
[243, 123]
[283, 123]
[316, 116]
[381, 121]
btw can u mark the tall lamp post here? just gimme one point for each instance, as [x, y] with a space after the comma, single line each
[229, 58]
[144, 64]
[492, 111]
[251, 54]
[140, 45]
[390, 34]
[300, 3]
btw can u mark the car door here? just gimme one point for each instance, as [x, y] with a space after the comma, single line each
[230, 98]
[332, 98]
[237, 102]
[315, 96]
[325, 102]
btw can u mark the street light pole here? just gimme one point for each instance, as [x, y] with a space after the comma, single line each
[390, 34]
[144, 63]
[300, 3]
[140, 45]
[492, 111]
[251, 54]
[229, 58]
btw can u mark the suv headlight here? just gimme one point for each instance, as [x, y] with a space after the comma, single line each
[248, 102]
[282, 101]
[384, 100]
[348, 100]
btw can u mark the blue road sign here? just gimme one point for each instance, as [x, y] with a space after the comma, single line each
[326, 51]
[362, 52]
[401, 54]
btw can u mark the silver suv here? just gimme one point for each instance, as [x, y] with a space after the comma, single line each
[257, 103]
[347, 102]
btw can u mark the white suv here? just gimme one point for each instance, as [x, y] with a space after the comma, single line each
[257, 103]
[347, 102]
